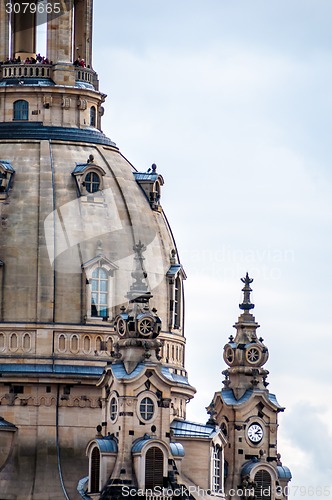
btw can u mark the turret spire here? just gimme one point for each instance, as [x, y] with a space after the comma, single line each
[246, 304]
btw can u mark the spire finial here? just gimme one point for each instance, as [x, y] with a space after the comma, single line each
[139, 289]
[246, 304]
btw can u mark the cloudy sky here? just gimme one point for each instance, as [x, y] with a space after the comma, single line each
[232, 100]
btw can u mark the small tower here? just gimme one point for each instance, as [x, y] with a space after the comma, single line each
[247, 414]
[146, 444]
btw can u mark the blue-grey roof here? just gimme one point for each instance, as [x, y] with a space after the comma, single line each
[173, 270]
[183, 428]
[174, 377]
[52, 369]
[229, 398]
[107, 445]
[7, 166]
[5, 425]
[248, 466]
[284, 472]
[26, 82]
[84, 85]
[177, 450]
[273, 399]
[119, 371]
[36, 130]
[80, 167]
[146, 176]
[139, 443]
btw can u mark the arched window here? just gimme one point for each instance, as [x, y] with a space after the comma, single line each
[92, 182]
[177, 303]
[93, 116]
[262, 485]
[113, 409]
[99, 296]
[154, 468]
[216, 469]
[95, 470]
[21, 110]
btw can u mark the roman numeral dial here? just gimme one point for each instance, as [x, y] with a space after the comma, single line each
[255, 433]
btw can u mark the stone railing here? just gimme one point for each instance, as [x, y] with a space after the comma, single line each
[86, 75]
[26, 71]
[21, 70]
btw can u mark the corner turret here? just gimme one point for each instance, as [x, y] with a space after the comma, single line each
[245, 354]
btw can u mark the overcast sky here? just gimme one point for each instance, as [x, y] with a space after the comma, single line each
[232, 100]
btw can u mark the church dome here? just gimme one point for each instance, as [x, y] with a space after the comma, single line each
[72, 211]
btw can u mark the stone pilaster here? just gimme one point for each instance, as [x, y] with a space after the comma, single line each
[83, 30]
[59, 35]
[4, 32]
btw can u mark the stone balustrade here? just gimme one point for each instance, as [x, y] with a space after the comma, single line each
[21, 70]
[26, 71]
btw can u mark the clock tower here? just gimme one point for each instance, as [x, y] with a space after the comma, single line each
[248, 414]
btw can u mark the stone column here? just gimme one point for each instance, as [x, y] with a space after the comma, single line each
[59, 34]
[83, 30]
[4, 32]
[24, 33]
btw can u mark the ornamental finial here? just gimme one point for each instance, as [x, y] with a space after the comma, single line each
[246, 304]
[139, 290]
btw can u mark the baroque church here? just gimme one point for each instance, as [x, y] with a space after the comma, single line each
[93, 384]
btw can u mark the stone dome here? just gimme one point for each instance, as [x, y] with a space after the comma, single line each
[72, 210]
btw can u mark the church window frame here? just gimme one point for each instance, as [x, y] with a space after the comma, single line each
[175, 276]
[89, 179]
[177, 303]
[91, 282]
[216, 479]
[99, 293]
[146, 408]
[93, 116]
[92, 182]
[21, 110]
[114, 408]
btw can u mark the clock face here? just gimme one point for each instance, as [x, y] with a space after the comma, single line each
[255, 433]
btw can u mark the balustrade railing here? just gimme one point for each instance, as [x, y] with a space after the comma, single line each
[26, 70]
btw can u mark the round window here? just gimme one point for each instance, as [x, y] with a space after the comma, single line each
[113, 409]
[92, 182]
[145, 326]
[253, 355]
[146, 408]
[229, 355]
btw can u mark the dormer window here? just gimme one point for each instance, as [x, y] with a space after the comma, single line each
[88, 177]
[151, 183]
[6, 176]
[99, 273]
[99, 296]
[92, 182]
[21, 110]
[175, 276]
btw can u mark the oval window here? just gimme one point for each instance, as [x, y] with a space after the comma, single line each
[146, 408]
